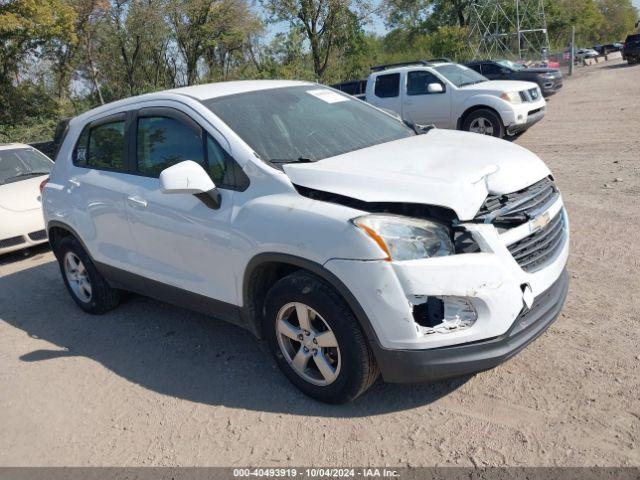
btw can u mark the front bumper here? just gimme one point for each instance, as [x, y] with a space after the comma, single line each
[551, 86]
[405, 366]
[19, 230]
[533, 117]
[491, 281]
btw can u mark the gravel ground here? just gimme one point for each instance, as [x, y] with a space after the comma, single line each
[150, 384]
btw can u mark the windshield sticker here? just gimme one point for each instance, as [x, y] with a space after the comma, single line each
[328, 96]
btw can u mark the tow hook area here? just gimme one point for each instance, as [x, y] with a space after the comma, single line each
[527, 294]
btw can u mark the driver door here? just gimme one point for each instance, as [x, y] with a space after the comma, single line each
[422, 107]
[180, 241]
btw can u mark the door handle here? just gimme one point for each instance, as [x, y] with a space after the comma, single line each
[137, 201]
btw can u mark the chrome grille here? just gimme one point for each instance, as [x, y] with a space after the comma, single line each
[530, 95]
[513, 209]
[534, 94]
[534, 251]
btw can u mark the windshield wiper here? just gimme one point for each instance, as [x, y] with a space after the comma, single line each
[280, 161]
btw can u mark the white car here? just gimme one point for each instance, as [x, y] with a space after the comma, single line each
[22, 171]
[349, 242]
[450, 95]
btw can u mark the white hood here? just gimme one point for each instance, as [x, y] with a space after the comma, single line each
[443, 167]
[500, 86]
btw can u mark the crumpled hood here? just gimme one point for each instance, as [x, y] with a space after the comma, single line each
[447, 168]
[21, 196]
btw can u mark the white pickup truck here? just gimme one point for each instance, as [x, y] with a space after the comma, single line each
[450, 95]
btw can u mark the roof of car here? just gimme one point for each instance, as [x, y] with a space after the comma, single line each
[408, 66]
[222, 89]
[10, 146]
[199, 92]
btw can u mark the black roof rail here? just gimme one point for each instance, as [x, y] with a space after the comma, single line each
[442, 59]
[379, 68]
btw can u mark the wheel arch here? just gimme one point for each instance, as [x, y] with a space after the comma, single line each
[265, 269]
[57, 230]
[475, 108]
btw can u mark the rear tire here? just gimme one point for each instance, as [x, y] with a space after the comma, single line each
[484, 122]
[316, 340]
[85, 284]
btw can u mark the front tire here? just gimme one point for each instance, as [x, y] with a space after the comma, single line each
[85, 284]
[484, 122]
[316, 340]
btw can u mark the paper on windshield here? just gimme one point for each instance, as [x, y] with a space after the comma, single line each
[328, 96]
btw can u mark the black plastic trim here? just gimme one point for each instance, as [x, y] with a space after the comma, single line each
[410, 366]
[316, 269]
[163, 292]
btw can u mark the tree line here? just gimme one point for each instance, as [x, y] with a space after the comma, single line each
[62, 57]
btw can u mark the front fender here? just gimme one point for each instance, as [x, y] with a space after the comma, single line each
[295, 225]
[486, 100]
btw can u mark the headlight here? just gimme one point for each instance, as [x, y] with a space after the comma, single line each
[405, 238]
[512, 97]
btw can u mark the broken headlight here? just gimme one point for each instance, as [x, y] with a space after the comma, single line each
[405, 238]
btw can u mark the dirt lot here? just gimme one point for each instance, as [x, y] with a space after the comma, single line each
[150, 384]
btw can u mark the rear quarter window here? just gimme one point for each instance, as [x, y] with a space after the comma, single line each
[101, 146]
[387, 86]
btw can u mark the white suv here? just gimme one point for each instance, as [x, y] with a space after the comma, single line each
[450, 95]
[349, 242]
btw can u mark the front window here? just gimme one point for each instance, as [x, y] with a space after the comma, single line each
[511, 65]
[306, 122]
[21, 164]
[460, 75]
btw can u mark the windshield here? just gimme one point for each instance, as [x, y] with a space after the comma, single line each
[460, 75]
[510, 64]
[21, 164]
[305, 123]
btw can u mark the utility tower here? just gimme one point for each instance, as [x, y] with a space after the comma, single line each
[508, 29]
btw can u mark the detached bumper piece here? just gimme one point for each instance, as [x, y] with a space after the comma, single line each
[409, 366]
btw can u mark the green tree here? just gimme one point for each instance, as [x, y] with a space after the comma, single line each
[326, 24]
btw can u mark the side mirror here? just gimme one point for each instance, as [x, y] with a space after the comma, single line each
[435, 88]
[190, 178]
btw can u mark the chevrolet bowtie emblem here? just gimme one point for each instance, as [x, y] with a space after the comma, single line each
[540, 222]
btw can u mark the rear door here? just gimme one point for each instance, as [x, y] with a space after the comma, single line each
[421, 106]
[385, 92]
[180, 241]
[96, 187]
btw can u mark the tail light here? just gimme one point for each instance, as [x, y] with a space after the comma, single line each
[42, 184]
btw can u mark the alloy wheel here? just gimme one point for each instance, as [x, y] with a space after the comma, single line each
[482, 126]
[77, 277]
[308, 344]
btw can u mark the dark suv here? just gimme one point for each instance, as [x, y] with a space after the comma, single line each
[549, 79]
[631, 50]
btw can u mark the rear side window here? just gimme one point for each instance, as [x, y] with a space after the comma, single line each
[101, 146]
[418, 82]
[164, 141]
[475, 68]
[491, 69]
[633, 39]
[387, 86]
